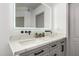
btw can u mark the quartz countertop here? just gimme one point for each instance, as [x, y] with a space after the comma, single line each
[18, 46]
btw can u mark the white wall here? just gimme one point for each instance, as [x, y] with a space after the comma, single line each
[58, 16]
[4, 29]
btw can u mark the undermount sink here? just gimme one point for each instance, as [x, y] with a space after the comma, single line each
[24, 42]
[32, 40]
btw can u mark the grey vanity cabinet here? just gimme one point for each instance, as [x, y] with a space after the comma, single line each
[57, 48]
[54, 49]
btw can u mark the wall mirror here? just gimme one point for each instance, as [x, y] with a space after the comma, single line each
[32, 16]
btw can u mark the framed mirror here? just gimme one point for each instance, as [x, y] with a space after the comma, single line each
[32, 16]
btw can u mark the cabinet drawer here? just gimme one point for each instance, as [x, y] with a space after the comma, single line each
[26, 53]
[62, 47]
[40, 51]
[55, 52]
[53, 45]
[62, 54]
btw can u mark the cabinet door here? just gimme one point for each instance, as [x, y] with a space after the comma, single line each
[53, 45]
[62, 49]
[62, 45]
[55, 52]
[41, 51]
[54, 49]
[26, 53]
[58, 48]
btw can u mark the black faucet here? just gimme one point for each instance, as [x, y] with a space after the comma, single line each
[29, 32]
[48, 31]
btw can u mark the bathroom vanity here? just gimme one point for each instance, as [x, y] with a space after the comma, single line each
[36, 16]
[45, 46]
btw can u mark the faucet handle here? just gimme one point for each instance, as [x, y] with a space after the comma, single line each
[22, 32]
[25, 31]
[29, 32]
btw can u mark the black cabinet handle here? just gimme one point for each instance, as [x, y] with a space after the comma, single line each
[55, 54]
[54, 45]
[62, 46]
[62, 42]
[39, 52]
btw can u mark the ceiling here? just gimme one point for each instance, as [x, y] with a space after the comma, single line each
[28, 5]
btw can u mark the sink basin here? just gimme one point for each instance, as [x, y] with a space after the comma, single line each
[24, 42]
[32, 40]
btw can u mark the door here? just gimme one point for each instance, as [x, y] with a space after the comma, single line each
[74, 28]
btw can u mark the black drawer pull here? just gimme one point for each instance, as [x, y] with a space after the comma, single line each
[55, 54]
[54, 45]
[62, 42]
[62, 50]
[39, 52]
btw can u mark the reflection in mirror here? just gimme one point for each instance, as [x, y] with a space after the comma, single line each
[40, 20]
[32, 15]
[19, 21]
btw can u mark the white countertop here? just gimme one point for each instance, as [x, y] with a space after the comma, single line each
[18, 46]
